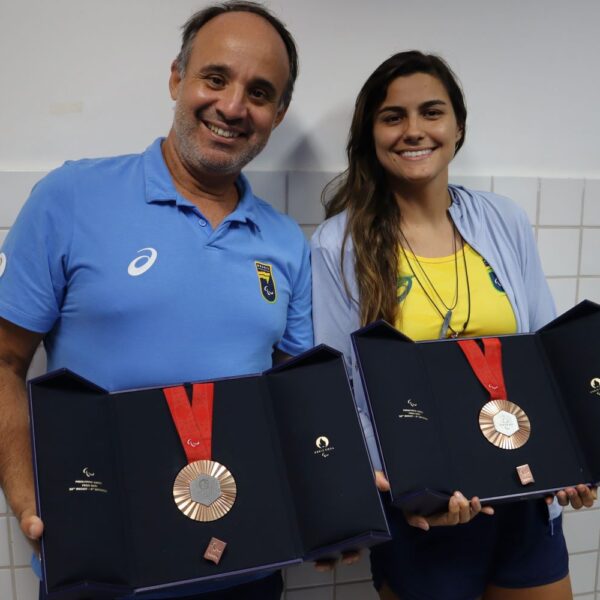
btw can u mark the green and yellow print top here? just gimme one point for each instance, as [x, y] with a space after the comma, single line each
[491, 312]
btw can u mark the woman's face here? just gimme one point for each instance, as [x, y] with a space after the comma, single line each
[415, 130]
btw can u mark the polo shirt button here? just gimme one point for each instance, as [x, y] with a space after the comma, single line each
[202, 222]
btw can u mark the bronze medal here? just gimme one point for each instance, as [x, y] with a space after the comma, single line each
[504, 424]
[204, 490]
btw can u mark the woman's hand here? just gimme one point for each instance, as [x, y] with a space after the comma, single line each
[579, 496]
[460, 510]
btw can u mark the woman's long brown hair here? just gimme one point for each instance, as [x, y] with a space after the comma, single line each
[373, 216]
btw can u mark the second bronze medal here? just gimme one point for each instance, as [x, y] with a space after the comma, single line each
[503, 423]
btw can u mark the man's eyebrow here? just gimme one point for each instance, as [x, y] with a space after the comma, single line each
[216, 68]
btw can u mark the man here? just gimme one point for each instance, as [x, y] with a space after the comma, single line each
[163, 267]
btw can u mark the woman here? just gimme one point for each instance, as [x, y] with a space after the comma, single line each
[436, 260]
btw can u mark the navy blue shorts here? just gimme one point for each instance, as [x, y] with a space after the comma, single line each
[517, 547]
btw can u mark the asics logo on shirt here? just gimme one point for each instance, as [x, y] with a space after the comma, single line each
[139, 265]
[2, 263]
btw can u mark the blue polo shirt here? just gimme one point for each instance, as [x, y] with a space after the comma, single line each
[134, 288]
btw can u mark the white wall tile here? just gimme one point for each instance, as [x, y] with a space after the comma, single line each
[308, 230]
[559, 250]
[21, 549]
[582, 530]
[3, 504]
[270, 186]
[591, 202]
[4, 544]
[27, 584]
[585, 597]
[359, 571]
[3, 233]
[590, 252]
[304, 195]
[305, 575]
[473, 182]
[563, 292]
[356, 591]
[14, 190]
[560, 201]
[589, 289]
[583, 572]
[38, 363]
[6, 590]
[523, 190]
[318, 593]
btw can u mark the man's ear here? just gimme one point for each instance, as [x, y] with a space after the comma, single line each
[174, 79]
[279, 116]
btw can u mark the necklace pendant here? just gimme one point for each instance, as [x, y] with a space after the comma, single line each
[445, 325]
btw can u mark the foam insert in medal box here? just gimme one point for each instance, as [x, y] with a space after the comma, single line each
[425, 400]
[105, 465]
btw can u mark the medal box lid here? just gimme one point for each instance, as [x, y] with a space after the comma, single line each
[426, 404]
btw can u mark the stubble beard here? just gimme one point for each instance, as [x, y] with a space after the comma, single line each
[199, 159]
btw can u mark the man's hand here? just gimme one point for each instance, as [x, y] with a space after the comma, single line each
[32, 527]
[460, 511]
[327, 564]
[579, 496]
[352, 556]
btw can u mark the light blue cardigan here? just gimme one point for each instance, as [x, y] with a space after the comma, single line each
[492, 225]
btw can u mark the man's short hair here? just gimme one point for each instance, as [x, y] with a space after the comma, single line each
[200, 18]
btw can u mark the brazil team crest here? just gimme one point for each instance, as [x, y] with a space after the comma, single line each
[495, 281]
[266, 281]
[403, 287]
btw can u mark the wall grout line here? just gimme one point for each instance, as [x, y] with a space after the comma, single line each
[13, 578]
[580, 257]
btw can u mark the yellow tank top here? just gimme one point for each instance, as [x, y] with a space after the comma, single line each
[418, 318]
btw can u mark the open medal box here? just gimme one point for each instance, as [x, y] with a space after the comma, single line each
[105, 465]
[426, 403]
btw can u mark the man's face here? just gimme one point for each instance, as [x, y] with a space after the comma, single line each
[229, 98]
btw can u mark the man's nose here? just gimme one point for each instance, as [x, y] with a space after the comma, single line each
[232, 104]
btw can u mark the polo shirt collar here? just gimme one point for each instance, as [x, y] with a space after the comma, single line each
[160, 187]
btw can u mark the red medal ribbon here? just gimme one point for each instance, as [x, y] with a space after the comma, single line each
[193, 422]
[487, 365]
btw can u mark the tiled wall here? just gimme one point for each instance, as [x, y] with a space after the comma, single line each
[565, 215]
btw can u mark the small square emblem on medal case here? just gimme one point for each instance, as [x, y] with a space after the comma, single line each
[214, 550]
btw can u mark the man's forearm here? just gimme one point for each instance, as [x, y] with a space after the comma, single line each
[16, 472]
[17, 347]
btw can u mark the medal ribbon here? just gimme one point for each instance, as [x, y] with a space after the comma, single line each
[193, 422]
[486, 364]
